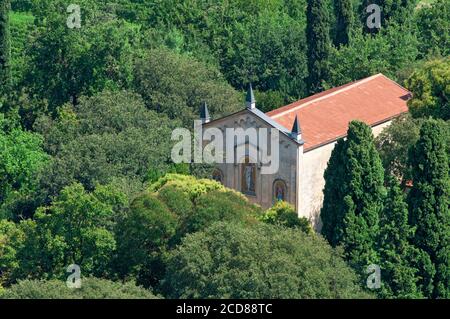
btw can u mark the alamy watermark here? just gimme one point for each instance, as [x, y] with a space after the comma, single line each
[230, 145]
[374, 278]
[374, 18]
[74, 19]
[74, 279]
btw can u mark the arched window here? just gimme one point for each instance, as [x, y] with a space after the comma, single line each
[279, 190]
[217, 175]
[248, 177]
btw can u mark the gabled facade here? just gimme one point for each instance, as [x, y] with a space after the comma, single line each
[308, 130]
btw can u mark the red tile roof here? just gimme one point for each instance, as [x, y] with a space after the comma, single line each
[324, 117]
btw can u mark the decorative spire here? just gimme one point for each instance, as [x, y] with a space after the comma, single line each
[296, 131]
[204, 113]
[250, 101]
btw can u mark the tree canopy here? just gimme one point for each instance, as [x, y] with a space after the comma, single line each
[263, 261]
[91, 288]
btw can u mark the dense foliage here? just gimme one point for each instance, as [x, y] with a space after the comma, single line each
[284, 214]
[21, 159]
[319, 44]
[176, 205]
[110, 135]
[397, 255]
[86, 116]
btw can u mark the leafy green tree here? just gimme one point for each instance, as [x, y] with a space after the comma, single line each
[396, 253]
[389, 51]
[251, 41]
[429, 201]
[41, 255]
[174, 206]
[143, 237]
[262, 261]
[78, 228]
[188, 185]
[430, 89]
[21, 158]
[91, 288]
[110, 135]
[268, 50]
[5, 47]
[433, 24]
[65, 63]
[344, 17]
[394, 143]
[270, 100]
[11, 237]
[360, 201]
[319, 44]
[21, 29]
[284, 214]
[177, 85]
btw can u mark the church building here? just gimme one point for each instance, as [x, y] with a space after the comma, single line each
[308, 131]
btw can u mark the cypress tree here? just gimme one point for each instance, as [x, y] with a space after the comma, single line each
[332, 212]
[5, 46]
[429, 202]
[359, 201]
[396, 253]
[344, 21]
[319, 43]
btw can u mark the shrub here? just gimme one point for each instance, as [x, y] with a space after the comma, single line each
[283, 214]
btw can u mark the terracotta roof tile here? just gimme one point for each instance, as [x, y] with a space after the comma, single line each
[324, 117]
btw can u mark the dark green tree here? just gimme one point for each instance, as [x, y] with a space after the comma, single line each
[396, 253]
[110, 135]
[143, 237]
[360, 200]
[433, 26]
[5, 46]
[344, 21]
[65, 63]
[429, 201]
[11, 237]
[21, 159]
[78, 228]
[319, 43]
[176, 85]
[364, 195]
[229, 260]
[391, 50]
